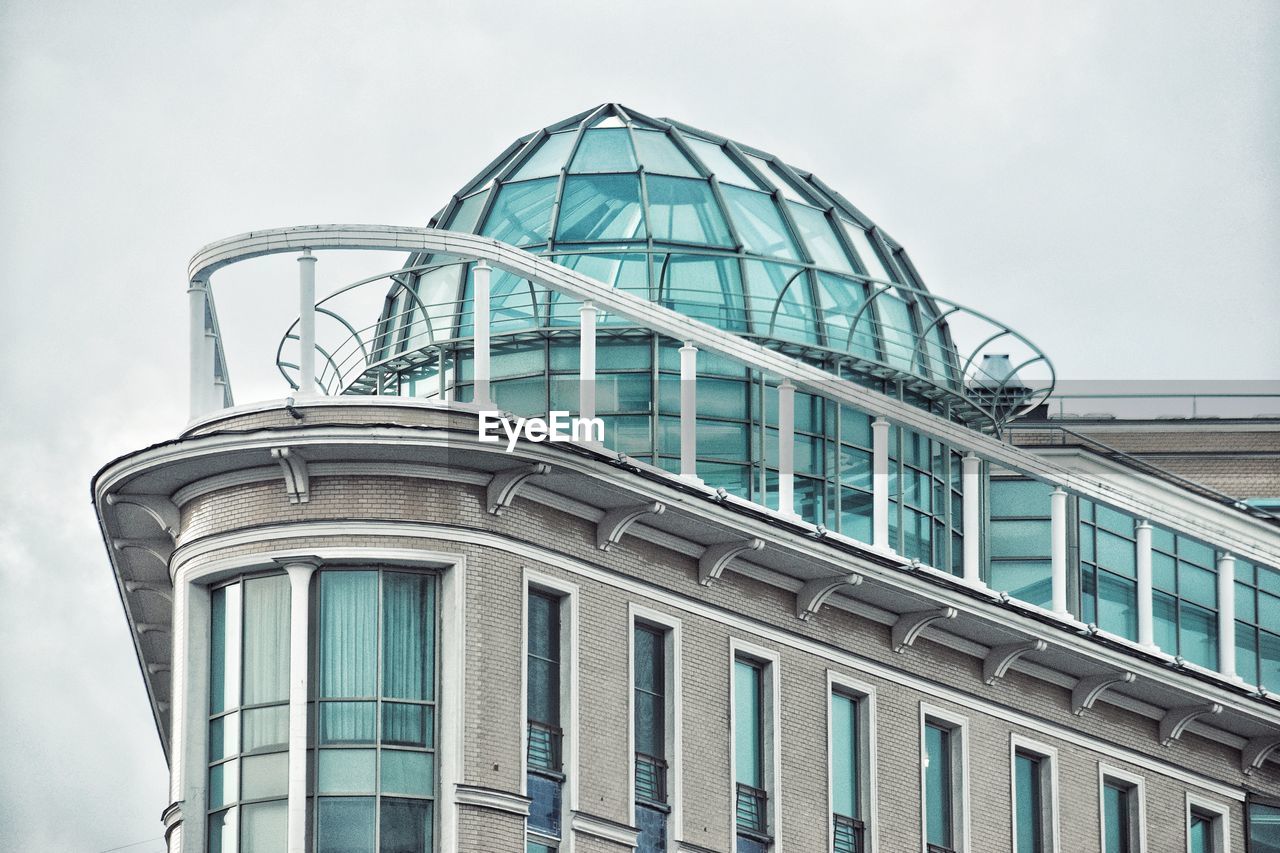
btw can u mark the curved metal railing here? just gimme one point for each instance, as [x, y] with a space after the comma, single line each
[355, 358]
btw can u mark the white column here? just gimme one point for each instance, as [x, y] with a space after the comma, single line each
[1227, 617]
[180, 765]
[480, 322]
[786, 447]
[307, 324]
[1146, 629]
[880, 484]
[1058, 551]
[587, 361]
[201, 374]
[300, 586]
[689, 412]
[971, 476]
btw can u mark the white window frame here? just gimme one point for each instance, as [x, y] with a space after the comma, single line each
[959, 726]
[638, 613]
[868, 803]
[1221, 815]
[772, 741]
[1137, 805]
[568, 593]
[1048, 756]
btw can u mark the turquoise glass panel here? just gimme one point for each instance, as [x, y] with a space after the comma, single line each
[1198, 585]
[1016, 497]
[781, 303]
[406, 724]
[1268, 610]
[759, 224]
[405, 826]
[521, 396]
[684, 210]
[344, 824]
[1164, 614]
[1163, 540]
[223, 831]
[855, 427]
[897, 332]
[1025, 580]
[465, 215]
[218, 698]
[855, 467]
[1247, 653]
[1200, 834]
[1114, 521]
[1198, 635]
[263, 776]
[748, 732]
[1264, 828]
[1116, 553]
[348, 633]
[844, 755]
[1164, 572]
[705, 288]
[658, 154]
[1269, 660]
[937, 785]
[1269, 580]
[600, 207]
[403, 772]
[1117, 608]
[1115, 819]
[347, 722]
[408, 636]
[1246, 603]
[265, 728]
[817, 236]
[855, 514]
[869, 257]
[1027, 804]
[345, 771]
[841, 301]
[1196, 552]
[604, 150]
[1019, 538]
[521, 215]
[263, 827]
[266, 640]
[548, 159]
[718, 163]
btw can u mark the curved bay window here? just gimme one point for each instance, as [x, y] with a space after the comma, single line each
[249, 715]
[374, 775]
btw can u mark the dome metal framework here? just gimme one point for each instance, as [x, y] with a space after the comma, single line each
[719, 231]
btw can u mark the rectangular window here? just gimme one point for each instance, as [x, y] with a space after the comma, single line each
[1108, 569]
[1018, 539]
[651, 710]
[943, 791]
[1207, 826]
[753, 742]
[1184, 579]
[1263, 826]
[849, 750]
[1034, 797]
[544, 751]
[1121, 808]
[1258, 624]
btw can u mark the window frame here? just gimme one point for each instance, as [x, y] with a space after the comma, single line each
[1219, 813]
[567, 592]
[771, 750]
[868, 805]
[958, 725]
[1137, 806]
[674, 730]
[1048, 756]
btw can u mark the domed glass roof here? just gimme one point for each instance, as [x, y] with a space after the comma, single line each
[720, 231]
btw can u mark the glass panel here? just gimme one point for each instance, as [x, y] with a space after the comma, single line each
[1117, 605]
[266, 727]
[224, 781]
[862, 246]
[1164, 572]
[1012, 497]
[685, 210]
[897, 333]
[747, 724]
[263, 827]
[263, 776]
[841, 301]
[468, 211]
[781, 304]
[345, 771]
[1198, 636]
[405, 772]
[344, 825]
[1196, 552]
[347, 722]
[544, 806]
[1247, 653]
[1114, 521]
[1019, 538]
[816, 234]
[408, 636]
[652, 824]
[1025, 580]
[406, 826]
[1028, 814]
[1116, 553]
[601, 207]
[937, 785]
[548, 159]
[1164, 612]
[650, 687]
[844, 755]
[707, 289]
[604, 150]
[224, 656]
[1269, 580]
[1264, 828]
[659, 154]
[719, 163]
[348, 633]
[544, 659]
[1198, 585]
[521, 215]
[1115, 801]
[224, 739]
[223, 831]
[407, 725]
[1200, 834]
[1269, 660]
[760, 226]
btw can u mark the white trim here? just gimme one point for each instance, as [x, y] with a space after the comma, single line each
[601, 828]
[1137, 806]
[958, 725]
[868, 774]
[675, 713]
[451, 750]
[489, 798]
[1221, 814]
[569, 752]
[1049, 807]
[771, 753]
[695, 607]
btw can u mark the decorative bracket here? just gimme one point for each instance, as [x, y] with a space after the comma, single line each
[161, 509]
[716, 558]
[145, 586]
[1090, 688]
[615, 522]
[503, 486]
[998, 660]
[815, 593]
[161, 549]
[1175, 720]
[296, 483]
[1255, 752]
[909, 625]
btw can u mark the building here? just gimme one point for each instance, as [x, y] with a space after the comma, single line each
[829, 580]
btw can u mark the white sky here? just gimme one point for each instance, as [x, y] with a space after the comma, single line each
[1101, 175]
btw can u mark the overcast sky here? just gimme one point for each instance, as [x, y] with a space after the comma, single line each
[1103, 176]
